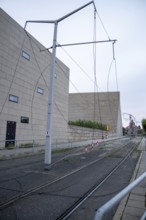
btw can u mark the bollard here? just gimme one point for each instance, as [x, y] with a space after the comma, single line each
[86, 148]
[92, 148]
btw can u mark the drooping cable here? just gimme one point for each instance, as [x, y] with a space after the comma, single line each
[109, 71]
[11, 83]
[95, 86]
[101, 21]
[85, 102]
[37, 81]
[110, 101]
[41, 75]
[114, 60]
[115, 66]
[108, 95]
[79, 66]
[94, 70]
[80, 94]
[95, 78]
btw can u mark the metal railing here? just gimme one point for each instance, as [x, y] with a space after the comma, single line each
[18, 147]
[10, 148]
[101, 212]
[144, 216]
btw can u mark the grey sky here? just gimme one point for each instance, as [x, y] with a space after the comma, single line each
[125, 20]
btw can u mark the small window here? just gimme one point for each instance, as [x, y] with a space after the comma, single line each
[13, 98]
[40, 90]
[24, 120]
[25, 55]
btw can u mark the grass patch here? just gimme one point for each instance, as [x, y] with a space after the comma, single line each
[61, 150]
[67, 159]
[10, 146]
[89, 124]
[27, 145]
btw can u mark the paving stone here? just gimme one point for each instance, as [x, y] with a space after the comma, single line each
[133, 211]
[135, 203]
[137, 198]
[135, 207]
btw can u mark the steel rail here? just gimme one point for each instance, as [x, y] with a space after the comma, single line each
[25, 194]
[14, 199]
[71, 152]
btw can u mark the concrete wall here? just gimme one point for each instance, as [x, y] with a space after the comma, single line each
[106, 107]
[22, 77]
[80, 133]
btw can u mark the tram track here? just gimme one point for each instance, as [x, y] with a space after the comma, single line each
[90, 192]
[85, 196]
[55, 156]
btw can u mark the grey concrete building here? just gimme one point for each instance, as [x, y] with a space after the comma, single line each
[103, 107]
[24, 80]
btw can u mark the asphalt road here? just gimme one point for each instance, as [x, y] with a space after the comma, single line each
[21, 175]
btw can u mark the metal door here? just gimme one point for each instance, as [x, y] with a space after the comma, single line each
[10, 133]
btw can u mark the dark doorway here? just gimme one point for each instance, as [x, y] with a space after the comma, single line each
[10, 134]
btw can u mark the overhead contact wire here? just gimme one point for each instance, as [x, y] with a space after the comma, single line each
[95, 73]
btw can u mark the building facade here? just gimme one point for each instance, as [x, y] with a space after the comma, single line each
[103, 107]
[24, 82]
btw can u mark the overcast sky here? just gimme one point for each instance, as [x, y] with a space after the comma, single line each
[124, 20]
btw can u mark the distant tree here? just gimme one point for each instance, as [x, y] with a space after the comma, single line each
[144, 124]
[139, 130]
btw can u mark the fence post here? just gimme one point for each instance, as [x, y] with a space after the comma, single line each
[33, 144]
[15, 147]
[56, 143]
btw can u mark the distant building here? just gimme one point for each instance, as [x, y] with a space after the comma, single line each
[103, 107]
[132, 129]
[24, 80]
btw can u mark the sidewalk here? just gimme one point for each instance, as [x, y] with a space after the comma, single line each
[133, 206]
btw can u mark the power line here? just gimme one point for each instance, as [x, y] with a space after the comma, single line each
[95, 73]
[109, 71]
[3, 105]
[79, 66]
[80, 94]
[101, 22]
[41, 75]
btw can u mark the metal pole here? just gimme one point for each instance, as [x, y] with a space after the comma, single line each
[50, 103]
[73, 12]
[80, 43]
[51, 88]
